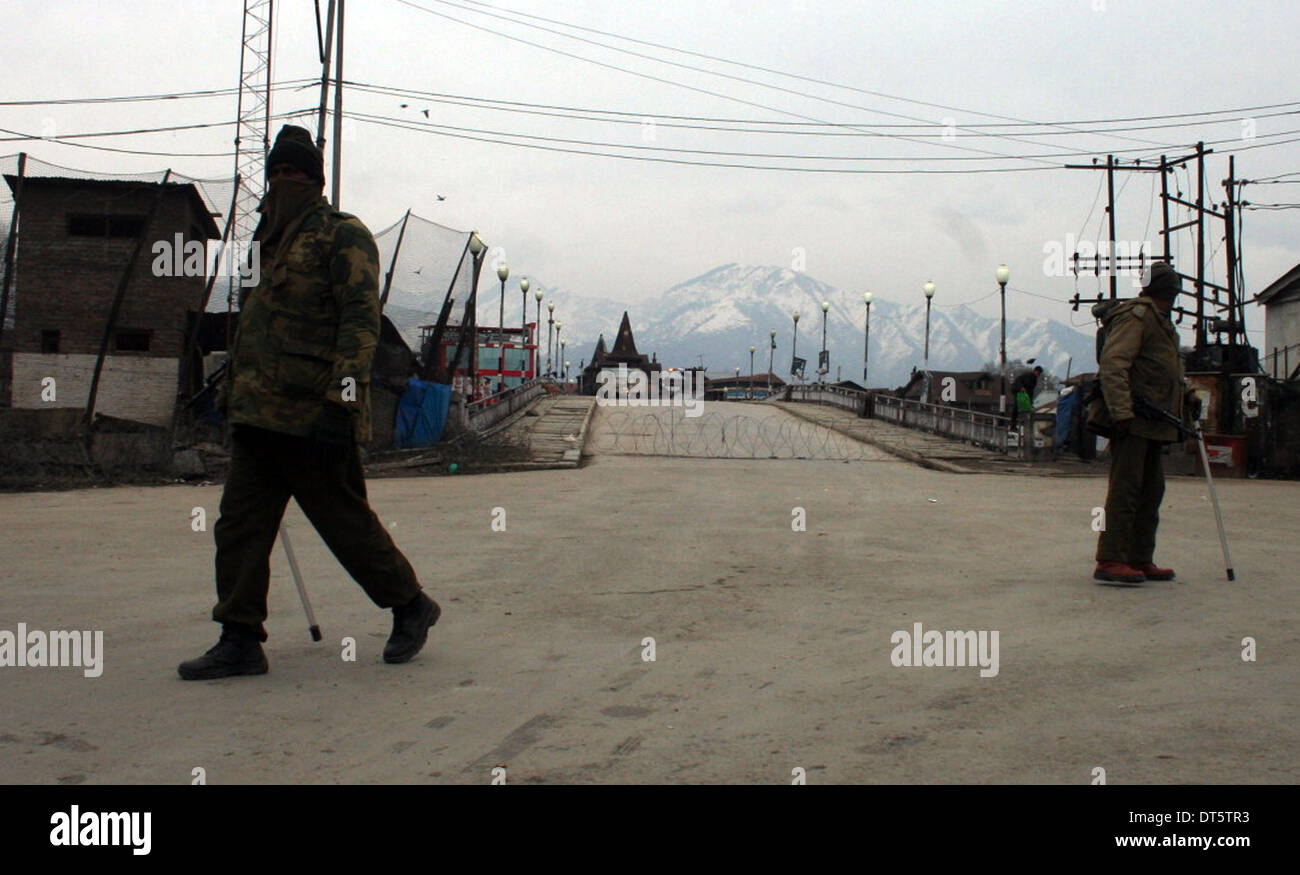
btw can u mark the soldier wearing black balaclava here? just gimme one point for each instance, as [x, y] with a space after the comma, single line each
[299, 404]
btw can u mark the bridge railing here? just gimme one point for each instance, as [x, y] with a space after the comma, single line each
[835, 396]
[483, 413]
[984, 429]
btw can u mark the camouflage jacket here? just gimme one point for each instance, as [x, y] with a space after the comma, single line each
[1140, 357]
[308, 330]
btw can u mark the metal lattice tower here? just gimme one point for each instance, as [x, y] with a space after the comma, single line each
[253, 115]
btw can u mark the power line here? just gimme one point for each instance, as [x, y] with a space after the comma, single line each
[662, 80]
[140, 98]
[63, 139]
[497, 12]
[59, 141]
[18, 135]
[966, 303]
[417, 124]
[495, 137]
[713, 123]
[1095, 198]
[572, 151]
[646, 148]
[1151, 205]
[1232, 114]
[1270, 178]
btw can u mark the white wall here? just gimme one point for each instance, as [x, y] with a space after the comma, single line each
[140, 388]
[1281, 328]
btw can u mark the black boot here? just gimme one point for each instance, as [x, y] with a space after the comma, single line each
[239, 651]
[411, 623]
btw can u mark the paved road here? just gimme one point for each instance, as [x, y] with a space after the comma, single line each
[772, 645]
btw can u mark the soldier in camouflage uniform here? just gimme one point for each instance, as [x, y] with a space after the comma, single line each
[298, 403]
[1140, 359]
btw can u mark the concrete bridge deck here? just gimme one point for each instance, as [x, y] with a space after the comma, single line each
[936, 451]
[553, 430]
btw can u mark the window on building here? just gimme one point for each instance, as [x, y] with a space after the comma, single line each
[105, 226]
[49, 341]
[125, 226]
[517, 359]
[85, 226]
[132, 340]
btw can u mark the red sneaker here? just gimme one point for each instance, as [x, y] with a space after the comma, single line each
[1118, 572]
[1154, 572]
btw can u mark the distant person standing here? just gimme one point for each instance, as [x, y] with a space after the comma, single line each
[1140, 359]
[1026, 383]
[298, 404]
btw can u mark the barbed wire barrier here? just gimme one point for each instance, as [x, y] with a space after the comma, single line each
[722, 436]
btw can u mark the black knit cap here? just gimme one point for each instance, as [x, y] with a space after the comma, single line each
[294, 146]
[1162, 282]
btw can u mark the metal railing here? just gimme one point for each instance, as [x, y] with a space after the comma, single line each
[835, 396]
[483, 413]
[982, 429]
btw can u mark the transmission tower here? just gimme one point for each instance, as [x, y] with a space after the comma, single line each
[253, 115]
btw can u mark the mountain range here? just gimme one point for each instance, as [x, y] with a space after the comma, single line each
[714, 318]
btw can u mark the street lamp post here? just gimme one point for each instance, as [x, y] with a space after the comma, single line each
[503, 273]
[538, 294]
[822, 369]
[1003, 275]
[523, 319]
[866, 340]
[523, 307]
[550, 325]
[566, 364]
[566, 372]
[749, 394]
[794, 344]
[477, 249]
[929, 294]
[558, 358]
[771, 336]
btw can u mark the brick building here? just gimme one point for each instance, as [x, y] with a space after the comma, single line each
[75, 237]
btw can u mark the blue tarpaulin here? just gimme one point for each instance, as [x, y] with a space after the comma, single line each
[421, 413]
[1067, 408]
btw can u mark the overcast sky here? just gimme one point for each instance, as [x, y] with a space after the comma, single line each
[630, 229]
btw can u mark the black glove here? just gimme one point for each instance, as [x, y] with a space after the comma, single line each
[1121, 428]
[331, 435]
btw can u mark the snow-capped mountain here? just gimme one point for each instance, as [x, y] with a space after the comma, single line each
[720, 314]
[714, 318]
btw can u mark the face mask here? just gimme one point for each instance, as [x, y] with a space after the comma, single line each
[285, 200]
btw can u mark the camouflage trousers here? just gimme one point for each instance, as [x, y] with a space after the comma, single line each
[1137, 486]
[266, 469]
